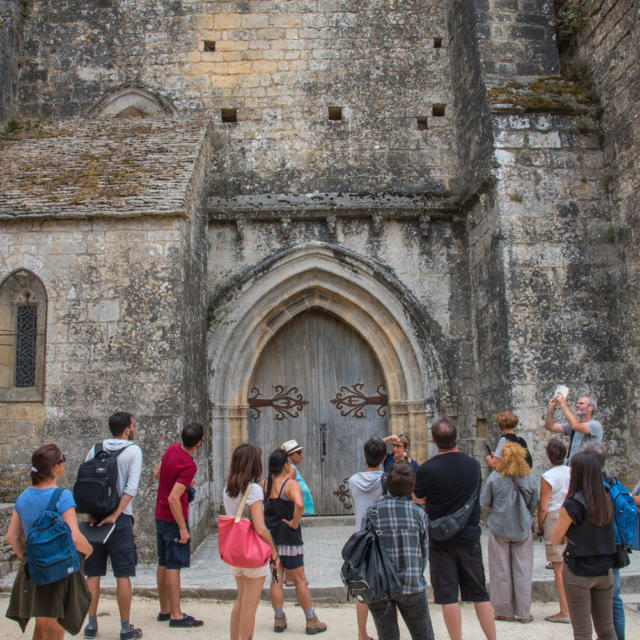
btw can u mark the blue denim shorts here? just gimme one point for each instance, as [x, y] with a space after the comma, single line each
[172, 554]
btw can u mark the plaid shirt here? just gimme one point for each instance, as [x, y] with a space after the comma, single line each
[402, 527]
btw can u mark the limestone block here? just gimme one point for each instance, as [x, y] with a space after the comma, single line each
[286, 20]
[504, 157]
[227, 21]
[549, 140]
[509, 139]
[264, 66]
[255, 20]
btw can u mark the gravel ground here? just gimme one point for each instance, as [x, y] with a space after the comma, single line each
[340, 618]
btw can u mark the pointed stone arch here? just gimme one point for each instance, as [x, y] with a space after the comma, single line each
[130, 100]
[319, 276]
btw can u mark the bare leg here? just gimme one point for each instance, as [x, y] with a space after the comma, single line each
[123, 592]
[249, 599]
[172, 582]
[234, 626]
[452, 620]
[485, 615]
[362, 611]
[163, 591]
[276, 591]
[562, 598]
[47, 629]
[94, 590]
[302, 590]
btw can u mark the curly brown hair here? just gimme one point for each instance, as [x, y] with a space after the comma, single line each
[513, 461]
[506, 420]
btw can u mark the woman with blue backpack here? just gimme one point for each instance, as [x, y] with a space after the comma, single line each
[44, 533]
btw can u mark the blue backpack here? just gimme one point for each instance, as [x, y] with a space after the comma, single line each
[625, 512]
[51, 554]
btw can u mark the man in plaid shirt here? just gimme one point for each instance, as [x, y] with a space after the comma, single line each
[402, 528]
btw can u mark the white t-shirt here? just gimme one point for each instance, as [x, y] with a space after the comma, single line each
[231, 504]
[558, 478]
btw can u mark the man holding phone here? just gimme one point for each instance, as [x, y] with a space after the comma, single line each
[580, 427]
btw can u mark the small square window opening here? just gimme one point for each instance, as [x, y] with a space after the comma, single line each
[437, 43]
[335, 113]
[438, 110]
[229, 115]
[423, 124]
[209, 45]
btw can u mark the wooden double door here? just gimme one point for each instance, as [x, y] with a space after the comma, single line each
[318, 382]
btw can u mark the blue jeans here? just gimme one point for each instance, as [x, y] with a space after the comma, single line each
[618, 608]
[414, 610]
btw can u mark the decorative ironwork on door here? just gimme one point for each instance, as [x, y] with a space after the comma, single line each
[351, 401]
[287, 403]
[344, 495]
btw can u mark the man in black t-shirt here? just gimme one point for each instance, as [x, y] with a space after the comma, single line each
[444, 483]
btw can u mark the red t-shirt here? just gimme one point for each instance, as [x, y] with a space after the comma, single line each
[177, 466]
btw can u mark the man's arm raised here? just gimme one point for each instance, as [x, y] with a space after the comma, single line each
[549, 424]
[573, 421]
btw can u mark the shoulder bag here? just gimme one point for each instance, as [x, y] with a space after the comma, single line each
[447, 526]
[238, 543]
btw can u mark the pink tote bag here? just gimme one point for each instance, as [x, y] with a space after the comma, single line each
[238, 543]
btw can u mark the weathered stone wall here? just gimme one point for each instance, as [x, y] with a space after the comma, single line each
[126, 312]
[610, 41]
[545, 294]
[516, 39]
[422, 263]
[8, 559]
[11, 21]
[280, 65]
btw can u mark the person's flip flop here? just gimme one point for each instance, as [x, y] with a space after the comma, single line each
[562, 619]
[505, 619]
[525, 620]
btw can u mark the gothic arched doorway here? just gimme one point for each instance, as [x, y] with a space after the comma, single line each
[319, 382]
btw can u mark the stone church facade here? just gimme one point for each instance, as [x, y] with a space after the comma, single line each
[318, 219]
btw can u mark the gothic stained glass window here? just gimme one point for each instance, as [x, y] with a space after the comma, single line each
[26, 333]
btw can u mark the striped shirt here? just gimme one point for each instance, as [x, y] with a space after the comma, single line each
[402, 527]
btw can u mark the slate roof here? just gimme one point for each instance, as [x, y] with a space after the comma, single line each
[82, 168]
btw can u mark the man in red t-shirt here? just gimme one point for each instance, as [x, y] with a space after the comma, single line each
[175, 473]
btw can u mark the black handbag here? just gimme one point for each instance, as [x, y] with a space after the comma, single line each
[447, 526]
[621, 556]
[367, 571]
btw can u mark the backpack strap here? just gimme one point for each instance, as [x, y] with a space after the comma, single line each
[573, 433]
[53, 501]
[98, 448]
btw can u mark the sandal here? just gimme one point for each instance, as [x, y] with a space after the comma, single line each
[558, 618]
[505, 618]
[525, 620]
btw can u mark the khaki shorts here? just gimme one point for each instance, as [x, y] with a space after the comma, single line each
[260, 572]
[553, 552]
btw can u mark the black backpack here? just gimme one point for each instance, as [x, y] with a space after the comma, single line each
[512, 437]
[96, 487]
[367, 571]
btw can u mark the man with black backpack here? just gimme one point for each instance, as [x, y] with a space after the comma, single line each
[114, 461]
